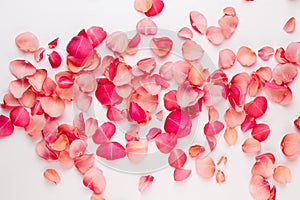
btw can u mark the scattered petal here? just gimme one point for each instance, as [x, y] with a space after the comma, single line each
[234, 118]
[214, 128]
[94, 180]
[248, 123]
[290, 145]
[153, 132]
[265, 53]
[177, 158]
[290, 25]
[257, 107]
[228, 25]
[192, 51]
[185, 33]
[284, 73]
[156, 8]
[292, 53]
[220, 177]
[18, 87]
[54, 59]
[263, 167]
[20, 117]
[21, 68]
[146, 26]
[259, 188]
[142, 5]
[111, 151]
[230, 136]
[260, 132]
[52, 176]
[53, 43]
[53, 106]
[84, 163]
[77, 148]
[196, 150]
[65, 160]
[205, 167]
[226, 58]
[145, 182]
[35, 126]
[198, 22]
[6, 126]
[44, 151]
[246, 57]
[215, 35]
[136, 151]
[104, 133]
[251, 146]
[282, 174]
[80, 47]
[106, 93]
[179, 123]
[161, 46]
[96, 35]
[181, 174]
[37, 80]
[166, 142]
[117, 42]
[27, 42]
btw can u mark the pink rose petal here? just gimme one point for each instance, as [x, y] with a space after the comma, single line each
[205, 167]
[44, 151]
[146, 26]
[117, 42]
[181, 174]
[185, 33]
[65, 160]
[106, 93]
[80, 47]
[96, 35]
[37, 80]
[234, 118]
[257, 107]
[20, 117]
[198, 22]
[259, 187]
[21, 68]
[53, 106]
[136, 151]
[177, 158]
[215, 35]
[77, 148]
[260, 132]
[94, 180]
[284, 73]
[111, 151]
[156, 8]
[292, 53]
[226, 58]
[280, 56]
[27, 42]
[52, 176]
[265, 53]
[145, 182]
[153, 132]
[84, 163]
[214, 128]
[179, 123]
[290, 145]
[246, 57]
[18, 87]
[230, 136]
[6, 126]
[104, 133]
[251, 146]
[290, 25]
[228, 25]
[263, 167]
[166, 142]
[192, 51]
[161, 46]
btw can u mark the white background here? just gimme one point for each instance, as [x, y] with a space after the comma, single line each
[261, 22]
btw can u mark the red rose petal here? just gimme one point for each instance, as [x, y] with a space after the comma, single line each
[198, 22]
[257, 107]
[246, 57]
[192, 51]
[226, 58]
[94, 180]
[181, 174]
[6, 126]
[20, 117]
[290, 25]
[170, 100]
[156, 8]
[21, 68]
[215, 35]
[260, 132]
[178, 122]
[166, 142]
[52, 176]
[27, 42]
[265, 53]
[80, 47]
[54, 59]
[146, 26]
[53, 43]
[111, 151]
[205, 167]
[145, 182]
[106, 93]
[248, 123]
[161, 46]
[104, 133]
[177, 158]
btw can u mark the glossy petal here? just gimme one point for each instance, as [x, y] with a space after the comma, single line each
[60, 144]
[248, 123]
[205, 167]
[179, 123]
[156, 8]
[37, 80]
[106, 93]
[27, 42]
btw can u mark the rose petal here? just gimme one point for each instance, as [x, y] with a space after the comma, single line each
[259, 187]
[111, 151]
[117, 42]
[214, 128]
[196, 150]
[6, 126]
[96, 197]
[96, 35]
[35, 126]
[84, 163]
[284, 73]
[229, 11]
[257, 107]
[280, 56]
[44, 151]
[136, 151]
[220, 177]
[106, 93]
[146, 26]
[251, 146]
[86, 82]
[292, 53]
[54, 59]
[265, 53]
[18, 87]
[246, 57]
[53, 106]
[142, 5]
[145, 182]
[215, 35]
[94, 180]
[260, 132]
[166, 142]
[282, 174]
[156, 8]
[136, 113]
[37, 80]
[185, 33]
[181, 71]
[198, 22]
[276, 93]
[228, 25]
[153, 132]
[104, 133]
[290, 145]
[248, 123]
[179, 123]
[60, 144]
[161, 46]
[177, 158]
[192, 51]
[230, 136]
[52, 176]
[27, 42]
[21, 68]
[147, 65]
[80, 47]
[39, 54]
[64, 79]
[181, 174]
[234, 118]
[205, 167]
[187, 95]
[65, 160]
[53, 43]
[263, 167]
[290, 25]
[226, 58]
[20, 117]
[28, 99]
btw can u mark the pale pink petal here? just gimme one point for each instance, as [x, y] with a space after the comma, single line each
[84, 163]
[54, 59]
[226, 58]
[251, 146]
[145, 182]
[161, 46]
[27, 42]
[290, 145]
[192, 51]
[292, 53]
[6, 126]
[214, 128]
[263, 167]
[215, 35]
[44, 151]
[248, 123]
[147, 65]
[104, 133]
[53, 43]
[220, 177]
[288, 98]
[132, 134]
[86, 82]
[181, 71]
[94, 180]
[212, 142]
[187, 95]
[259, 188]
[257, 107]
[282, 174]
[146, 26]
[265, 53]
[166, 71]
[96, 197]
[37, 80]
[111, 151]
[228, 25]
[156, 8]
[52, 176]
[159, 115]
[80, 47]
[64, 79]
[178, 122]
[166, 142]
[260, 132]
[134, 41]
[18, 87]
[276, 93]
[60, 144]
[198, 22]
[77, 148]
[177, 158]
[91, 126]
[284, 73]
[20, 117]
[35, 125]
[117, 42]
[230, 136]
[28, 99]
[92, 62]
[83, 102]
[136, 151]
[48, 87]
[106, 93]
[21, 68]
[196, 150]
[280, 56]
[9, 101]
[153, 132]
[114, 114]
[268, 155]
[229, 11]
[181, 174]
[142, 5]
[234, 118]
[254, 85]
[205, 167]
[68, 94]
[246, 57]
[53, 106]
[65, 160]
[290, 25]
[96, 35]
[212, 94]
[124, 91]
[185, 33]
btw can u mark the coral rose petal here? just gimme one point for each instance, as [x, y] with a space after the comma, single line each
[290, 145]
[228, 25]
[192, 51]
[220, 177]
[37, 80]
[292, 53]
[205, 167]
[230, 136]
[198, 22]
[44, 151]
[161, 46]
[214, 35]
[226, 58]
[259, 188]
[84, 163]
[142, 5]
[136, 151]
[265, 53]
[282, 174]
[290, 25]
[65, 160]
[18, 87]
[234, 118]
[196, 150]
[263, 167]
[156, 8]
[77, 148]
[251, 146]
[52, 176]
[145, 182]
[214, 128]
[284, 73]
[53, 106]
[246, 57]
[94, 180]
[181, 174]
[21, 68]
[27, 42]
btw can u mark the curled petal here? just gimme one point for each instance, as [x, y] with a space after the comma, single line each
[54, 59]
[145, 182]
[111, 151]
[246, 57]
[94, 180]
[77, 148]
[37, 80]
[146, 26]
[220, 177]
[215, 35]
[292, 53]
[60, 144]
[290, 145]
[104, 133]
[198, 22]
[156, 8]
[21, 68]
[259, 188]
[52, 176]
[53, 106]
[64, 79]
[142, 5]
[181, 174]
[117, 42]
[53, 43]
[290, 25]
[196, 150]
[230, 136]
[44, 151]
[27, 42]
[136, 151]
[153, 132]
[226, 58]
[265, 53]
[192, 51]
[185, 33]
[20, 117]
[230, 11]
[177, 158]
[6, 126]
[39, 54]
[96, 35]
[251, 146]
[166, 142]
[205, 167]
[178, 122]
[161, 46]
[264, 74]
[282, 174]
[280, 56]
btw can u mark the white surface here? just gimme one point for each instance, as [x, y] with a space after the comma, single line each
[261, 22]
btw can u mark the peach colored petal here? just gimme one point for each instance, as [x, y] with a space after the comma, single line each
[266, 155]
[181, 174]
[198, 22]
[146, 26]
[77, 148]
[60, 144]
[282, 174]
[196, 76]
[246, 57]
[251, 146]
[259, 188]
[92, 62]
[54, 59]
[96, 197]
[229, 11]
[35, 126]
[265, 53]
[65, 160]
[276, 93]
[228, 25]
[18, 87]
[145, 182]
[234, 118]
[156, 8]
[290, 25]
[53, 106]
[230, 136]
[292, 53]
[86, 82]
[161, 46]
[284, 73]
[215, 35]
[290, 145]
[196, 150]
[263, 167]
[28, 99]
[19, 116]
[48, 87]
[187, 95]
[213, 114]
[111, 151]
[136, 151]
[192, 51]
[117, 42]
[185, 33]
[205, 167]
[226, 58]
[181, 71]
[254, 85]
[39, 54]
[220, 177]
[27, 42]
[264, 73]
[6, 126]
[84, 163]
[177, 158]
[10, 101]
[94, 180]
[21, 68]
[37, 79]
[142, 5]
[52, 176]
